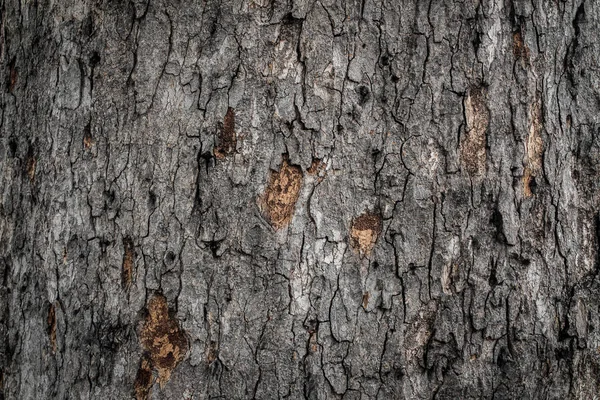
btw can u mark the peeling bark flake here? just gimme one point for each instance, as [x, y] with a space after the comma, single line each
[144, 380]
[364, 232]
[163, 339]
[473, 151]
[365, 300]
[534, 148]
[279, 199]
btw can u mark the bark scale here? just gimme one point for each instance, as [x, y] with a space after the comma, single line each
[244, 199]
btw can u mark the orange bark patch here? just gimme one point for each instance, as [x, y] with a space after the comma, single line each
[163, 339]
[227, 137]
[279, 200]
[364, 233]
[128, 263]
[534, 148]
[51, 320]
[473, 152]
[143, 380]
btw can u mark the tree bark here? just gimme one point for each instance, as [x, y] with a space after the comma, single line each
[242, 199]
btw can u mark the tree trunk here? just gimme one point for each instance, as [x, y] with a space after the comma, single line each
[328, 199]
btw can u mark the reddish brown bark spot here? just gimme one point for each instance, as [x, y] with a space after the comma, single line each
[313, 343]
[365, 230]
[14, 75]
[527, 178]
[279, 199]
[30, 167]
[227, 140]
[128, 263]
[163, 339]
[144, 380]
[211, 352]
[51, 320]
[88, 141]
[520, 49]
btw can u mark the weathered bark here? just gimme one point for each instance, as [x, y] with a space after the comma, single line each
[306, 199]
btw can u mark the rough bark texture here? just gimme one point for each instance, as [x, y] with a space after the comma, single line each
[361, 199]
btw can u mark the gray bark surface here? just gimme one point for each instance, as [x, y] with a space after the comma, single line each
[299, 199]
